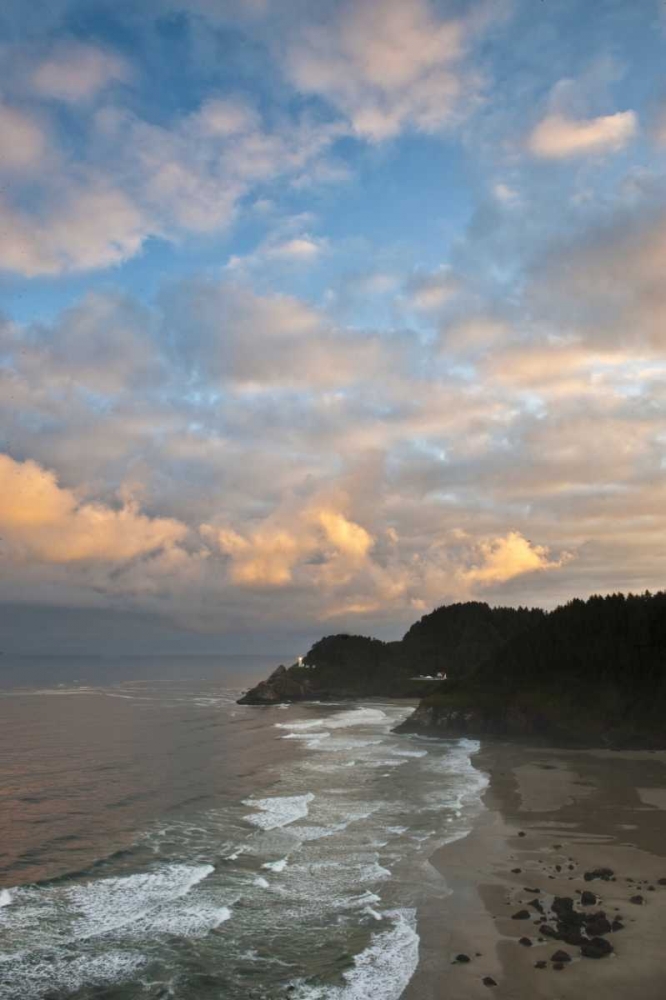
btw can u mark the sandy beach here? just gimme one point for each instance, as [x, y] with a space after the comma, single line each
[551, 816]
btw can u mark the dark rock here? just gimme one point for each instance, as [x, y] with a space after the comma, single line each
[596, 948]
[541, 965]
[563, 906]
[637, 900]
[617, 925]
[558, 868]
[516, 871]
[588, 898]
[560, 956]
[525, 941]
[488, 981]
[661, 881]
[537, 905]
[522, 833]
[606, 874]
[521, 915]
[596, 924]
[549, 931]
[558, 966]
[525, 889]
[280, 686]
[462, 958]
[573, 937]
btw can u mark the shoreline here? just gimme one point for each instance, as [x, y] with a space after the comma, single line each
[546, 809]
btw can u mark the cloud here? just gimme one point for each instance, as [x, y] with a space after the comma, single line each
[23, 141]
[558, 137]
[319, 541]
[299, 248]
[82, 226]
[135, 179]
[103, 343]
[230, 334]
[497, 560]
[282, 247]
[608, 285]
[386, 65]
[43, 521]
[75, 73]
[430, 292]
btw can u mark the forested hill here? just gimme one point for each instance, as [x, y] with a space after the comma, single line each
[591, 671]
[452, 639]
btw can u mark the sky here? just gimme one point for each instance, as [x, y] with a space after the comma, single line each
[315, 316]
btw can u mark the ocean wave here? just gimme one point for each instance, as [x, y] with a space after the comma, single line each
[382, 971]
[275, 866]
[357, 717]
[189, 921]
[31, 979]
[308, 724]
[130, 905]
[279, 811]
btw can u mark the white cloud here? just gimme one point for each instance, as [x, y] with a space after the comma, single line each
[23, 142]
[139, 179]
[385, 64]
[558, 137]
[505, 194]
[430, 292]
[76, 73]
[299, 248]
[82, 227]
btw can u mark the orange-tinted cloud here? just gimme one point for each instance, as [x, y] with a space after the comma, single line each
[40, 520]
[500, 559]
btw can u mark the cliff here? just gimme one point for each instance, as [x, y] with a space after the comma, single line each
[590, 673]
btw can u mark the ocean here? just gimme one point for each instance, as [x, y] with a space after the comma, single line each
[158, 840]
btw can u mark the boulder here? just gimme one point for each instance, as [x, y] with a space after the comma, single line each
[606, 874]
[596, 924]
[597, 947]
[560, 956]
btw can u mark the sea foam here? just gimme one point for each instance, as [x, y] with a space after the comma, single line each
[132, 905]
[279, 811]
[382, 971]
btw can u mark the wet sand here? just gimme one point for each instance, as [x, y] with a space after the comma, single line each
[577, 811]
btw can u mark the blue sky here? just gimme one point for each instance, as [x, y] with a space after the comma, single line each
[314, 316]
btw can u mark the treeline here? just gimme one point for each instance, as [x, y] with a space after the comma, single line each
[452, 639]
[590, 668]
